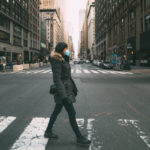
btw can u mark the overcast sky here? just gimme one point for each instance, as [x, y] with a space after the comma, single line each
[73, 7]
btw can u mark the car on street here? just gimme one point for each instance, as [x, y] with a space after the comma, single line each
[87, 61]
[106, 65]
[76, 61]
[95, 61]
[99, 63]
[81, 61]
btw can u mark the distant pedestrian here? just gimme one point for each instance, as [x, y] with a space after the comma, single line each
[66, 92]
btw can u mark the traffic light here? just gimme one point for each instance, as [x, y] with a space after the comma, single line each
[132, 52]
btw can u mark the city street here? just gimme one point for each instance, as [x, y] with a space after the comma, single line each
[112, 110]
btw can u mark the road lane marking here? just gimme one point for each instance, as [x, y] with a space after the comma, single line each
[90, 128]
[126, 122]
[80, 122]
[47, 71]
[94, 71]
[72, 70]
[113, 72]
[38, 71]
[33, 136]
[86, 71]
[5, 122]
[105, 72]
[78, 71]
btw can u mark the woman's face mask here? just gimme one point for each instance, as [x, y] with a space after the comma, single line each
[66, 52]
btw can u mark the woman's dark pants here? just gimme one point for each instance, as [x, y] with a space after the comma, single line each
[72, 117]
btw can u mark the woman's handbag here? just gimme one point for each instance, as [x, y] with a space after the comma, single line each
[52, 89]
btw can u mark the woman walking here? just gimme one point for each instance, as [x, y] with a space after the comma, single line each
[66, 92]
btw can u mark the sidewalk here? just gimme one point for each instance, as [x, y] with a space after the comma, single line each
[11, 70]
[140, 69]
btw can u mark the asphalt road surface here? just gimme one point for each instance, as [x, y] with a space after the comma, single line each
[112, 110]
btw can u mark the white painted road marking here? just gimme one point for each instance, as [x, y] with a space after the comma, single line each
[105, 72]
[94, 71]
[32, 137]
[86, 71]
[47, 71]
[38, 71]
[5, 122]
[78, 71]
[80, 122]
[90, 127]
[126, 122]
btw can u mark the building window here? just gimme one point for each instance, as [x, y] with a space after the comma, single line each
[132, 14]
[147, 3]
[17, 30]
[17, 41]
[5, 23]
[132, 29]
[147, 23]
[25, 36]
[5, 37]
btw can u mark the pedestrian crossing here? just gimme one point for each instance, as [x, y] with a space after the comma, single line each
[5, 122]
[77, 72]
[32, 137]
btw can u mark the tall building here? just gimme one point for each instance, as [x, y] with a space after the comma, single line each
[84, 40]
[101, 28]
[81, 18]
[44, 44]
[53, 11]
[53, 22]
[34, 30]
[16, 30]
[70, 46]
[91, 28]
[61, 6]
[129, 30]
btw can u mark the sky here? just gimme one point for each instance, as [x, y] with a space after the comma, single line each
[73, 7]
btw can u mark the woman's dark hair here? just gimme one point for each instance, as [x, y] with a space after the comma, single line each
[60, 47]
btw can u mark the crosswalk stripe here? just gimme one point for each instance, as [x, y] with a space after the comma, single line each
[5, 122]
[105, 72]
[80, 122]
[38, 71]
[47, 71]
[78, 71]
[86, 71]
[113, 72]
[90, 127]
[94, 71]
[32, 137]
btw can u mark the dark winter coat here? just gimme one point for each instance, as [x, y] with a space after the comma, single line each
[63, 81]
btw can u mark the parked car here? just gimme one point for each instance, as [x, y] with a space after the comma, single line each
[95, 62]
[81, 61]
[106, 65]
[76, 61]
[99, 63]
[87, 61]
